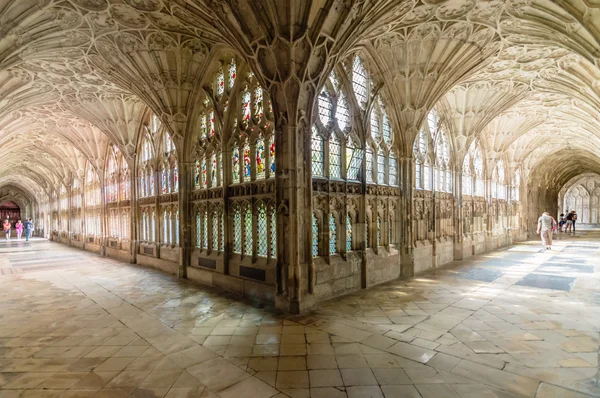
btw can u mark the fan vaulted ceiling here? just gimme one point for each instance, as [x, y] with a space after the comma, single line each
[76, 75]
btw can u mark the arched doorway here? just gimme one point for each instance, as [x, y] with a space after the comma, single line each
[10, 210]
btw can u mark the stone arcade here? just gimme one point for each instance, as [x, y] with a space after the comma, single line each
[297, 150]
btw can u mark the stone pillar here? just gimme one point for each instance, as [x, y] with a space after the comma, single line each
[405, 217]
[186, 185]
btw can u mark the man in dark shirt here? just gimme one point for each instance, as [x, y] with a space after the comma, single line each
[569, 223]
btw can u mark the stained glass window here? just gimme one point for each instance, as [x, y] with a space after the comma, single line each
[317, 153]
[393, 171]
[359, 82]
[246, 111]
[258, 102]
[220, 82]
[379, 231]
[342, 113]
[325, 107]
[332, 235]
[232, 73]
[348, 233]
[273, 232]
[215, 230]
[205, 229]
[235, 164]
[272, 158]
[260, 158]
[248, 232]
[380, 168]
[315, 236]
[237, 229]
[247, 166]
[262, 230]
[369, 166]
[213, 170]
[203, 174]
[335, 157]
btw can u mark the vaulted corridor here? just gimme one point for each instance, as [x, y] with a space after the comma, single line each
[518, 322]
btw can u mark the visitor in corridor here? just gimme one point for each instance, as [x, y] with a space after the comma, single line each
[28, 229]
[546, 225]
[574, 219]
[569, 221]
[19, 229]
[6, 226]
[561, 222]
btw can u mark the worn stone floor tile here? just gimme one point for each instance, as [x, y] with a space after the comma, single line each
[249, 388]
[325, 378]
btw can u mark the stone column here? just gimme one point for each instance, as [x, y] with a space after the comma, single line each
[186, 185]
[405, 217]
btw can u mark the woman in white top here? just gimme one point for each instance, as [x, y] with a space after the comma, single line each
[546, 225]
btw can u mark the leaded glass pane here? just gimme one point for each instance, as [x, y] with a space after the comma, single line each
[260, 158]
[325, 107]
[237, 230]
[213, 170]
[393, 171]
[235, 164]
[354, 158]
[272, 158]
[380, 168]
[246, 111]
[369, 166]
[205, 229]
[215, 230]
[220, 82]
[247, 166]
[262, 231]
[258, 102]
[342, 114]
[332, 235]
[273, 232]
[232, 73]
[315, 236]
[335, 158]
[359, 82]
[348, 233]
[317, 154]
[374, 123]
[248, 232]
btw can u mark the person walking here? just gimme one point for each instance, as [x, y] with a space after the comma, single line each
[6, 227]
[561, 222]
[569, 222]
[28, 229]
[546, 225]
[19, 229]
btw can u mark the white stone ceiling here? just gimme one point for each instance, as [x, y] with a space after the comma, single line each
[521, 75]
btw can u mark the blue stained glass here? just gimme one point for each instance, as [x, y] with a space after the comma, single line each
[235, 165]
[332, 235]
[315, 236]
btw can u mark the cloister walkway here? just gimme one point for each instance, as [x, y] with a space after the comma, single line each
[517, 322]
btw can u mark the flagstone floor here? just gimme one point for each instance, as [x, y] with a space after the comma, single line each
[513, 323]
